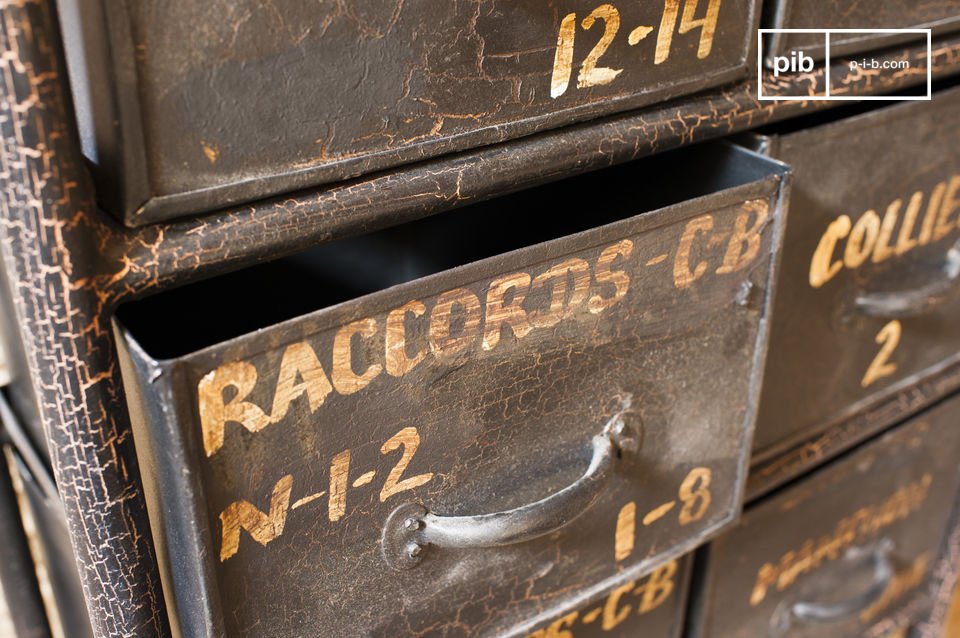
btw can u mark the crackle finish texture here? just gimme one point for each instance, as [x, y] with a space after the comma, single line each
[851, 290]
[819, 540]
[49, 243]
[162, 255]
[487, 427]
[234, 101]
[72, 264]
[938, 15]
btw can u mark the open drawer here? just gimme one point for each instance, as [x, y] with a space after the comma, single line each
[412, 452]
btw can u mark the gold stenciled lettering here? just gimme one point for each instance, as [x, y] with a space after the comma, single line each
[823, 267]
[695, 495]
[613, 612]
[888, 338]
[519, 302]
[626, 531]
[397, 360]
[605, 274]
[933, 210]
[905, 240]
[668, 21]
[215, 414]
[865, 522]
[883, 249]
[409, 439]
[557, 277]
[683, 275]
[653, 591]
[339, 475]
[442, 342]
[345, 380]
[591, 74]
[500, 313]
[563, 58]
[658, 587]
[300, 372]
[263, 528]
[558, 628]
[863, 239]
[951, 204]
[877, 239]
[744, 244]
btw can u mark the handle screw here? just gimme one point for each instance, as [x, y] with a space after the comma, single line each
[414, 550]
[628, 431]
[411, 524]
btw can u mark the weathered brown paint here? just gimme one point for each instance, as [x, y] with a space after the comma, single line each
[503, 421]
[791, 546]
[939, 15]
[184, 95]
[649, 606]
[833, 358]
[109, 264]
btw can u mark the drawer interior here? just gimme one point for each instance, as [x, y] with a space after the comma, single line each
[192, 317]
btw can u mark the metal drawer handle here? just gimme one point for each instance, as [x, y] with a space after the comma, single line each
[411, 529]
[823, 613]
[907, 303]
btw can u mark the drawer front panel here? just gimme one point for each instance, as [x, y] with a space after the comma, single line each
[436, 443]
[650, 606]
[845, 548]
[941, 16]
[270, 98]
[870, 290]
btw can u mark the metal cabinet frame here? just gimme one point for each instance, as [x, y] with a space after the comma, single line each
[69, 265]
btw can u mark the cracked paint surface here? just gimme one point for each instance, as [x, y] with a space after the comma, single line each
[297, 94]
[45, 226]
[73, 264]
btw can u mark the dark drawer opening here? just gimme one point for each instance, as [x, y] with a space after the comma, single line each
[853, 109]
[198, 315]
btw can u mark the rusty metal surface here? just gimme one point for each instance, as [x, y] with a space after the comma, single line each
[819, 541]
[941, 16]
[871, 280]
[228, 103]
[492, 378]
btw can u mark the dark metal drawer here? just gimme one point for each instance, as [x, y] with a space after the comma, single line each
[843, 549]
[869, 294]
[186, 107]
[650, 606]
[941, 16]
[415, 461]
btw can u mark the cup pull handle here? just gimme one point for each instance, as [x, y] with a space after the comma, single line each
[908, 303]
[411, 529]
[808, 612]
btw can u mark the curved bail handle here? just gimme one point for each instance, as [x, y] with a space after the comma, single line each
[814, 613]
[411, 528]
[909, 303]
